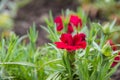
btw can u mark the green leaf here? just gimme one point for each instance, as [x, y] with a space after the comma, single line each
[18, 63]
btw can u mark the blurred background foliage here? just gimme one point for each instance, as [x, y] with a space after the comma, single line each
[8, 11]
[97, 10]
[102, 9]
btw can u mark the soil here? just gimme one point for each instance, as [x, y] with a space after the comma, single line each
[36, 12]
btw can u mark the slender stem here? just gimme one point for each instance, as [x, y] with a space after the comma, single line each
[71, 57]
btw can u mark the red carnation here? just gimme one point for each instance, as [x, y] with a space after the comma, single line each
[117, 58]
[71, 43]
[112, 45]
[75, 20]
[70, 28]
[59, 23]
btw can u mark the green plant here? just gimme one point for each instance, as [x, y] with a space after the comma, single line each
[85, 54]
[93, 63]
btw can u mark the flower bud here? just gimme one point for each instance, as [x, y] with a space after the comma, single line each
[107, 50]
[106, 29]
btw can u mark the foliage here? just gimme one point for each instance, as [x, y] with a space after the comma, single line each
[21, 60]
[93, 63]
[104, 10]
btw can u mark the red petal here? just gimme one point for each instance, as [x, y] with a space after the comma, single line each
[81, 45]
[59, 27]
[59, 23]
[66, 38]
[116, 60]
[60, 45]
[114, 64]
[111, 43]
[70, 28]
[79, 41]
[75, 20]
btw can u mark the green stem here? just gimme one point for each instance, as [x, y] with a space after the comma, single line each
[71, 57]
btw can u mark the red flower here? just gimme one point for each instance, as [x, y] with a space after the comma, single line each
[75, 20]
[117, 58]
[70, 29]
[71, 43]
[112, 45]
[59, 23]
